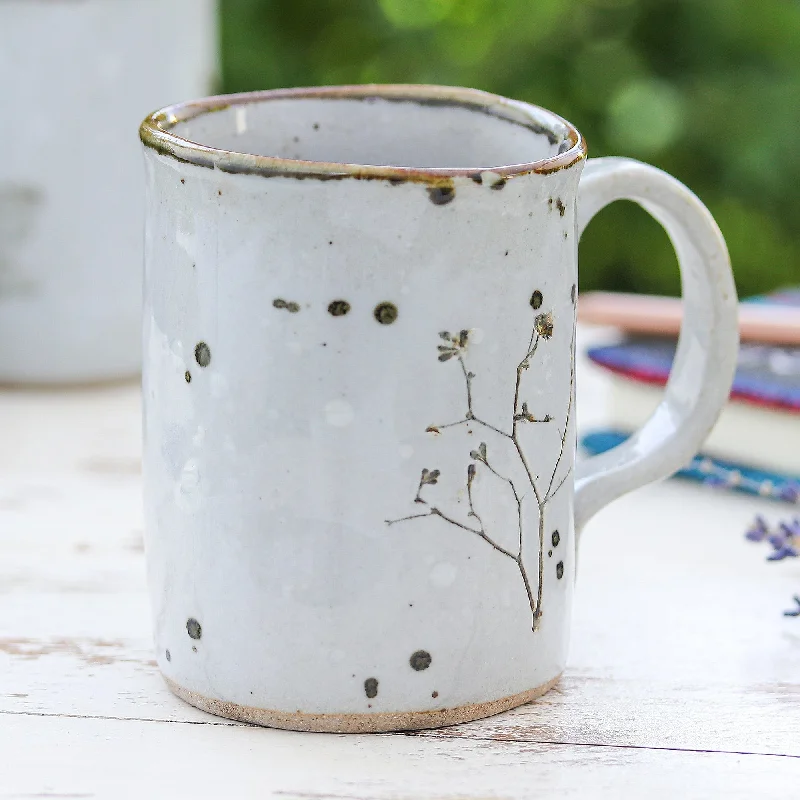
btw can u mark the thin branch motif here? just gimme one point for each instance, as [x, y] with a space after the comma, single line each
[455, 346]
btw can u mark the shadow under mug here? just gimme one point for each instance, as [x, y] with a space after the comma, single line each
[362, 501]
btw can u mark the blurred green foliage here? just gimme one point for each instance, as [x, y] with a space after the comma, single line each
[708, 90]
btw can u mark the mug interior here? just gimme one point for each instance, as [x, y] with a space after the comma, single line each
[427, 128]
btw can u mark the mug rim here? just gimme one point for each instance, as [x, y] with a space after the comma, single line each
[156, 133]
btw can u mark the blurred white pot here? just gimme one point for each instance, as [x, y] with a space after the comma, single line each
[76, 77]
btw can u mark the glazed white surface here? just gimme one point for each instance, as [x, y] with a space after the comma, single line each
[76, 79]
[330, 499]
[275, 469]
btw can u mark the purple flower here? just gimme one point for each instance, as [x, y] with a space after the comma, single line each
[792, 528]
[787, 529]
[785, 543]
[786, 539]
[758, 530]
[790, 492]
[778, 540]
[787, 551]
[795, 612]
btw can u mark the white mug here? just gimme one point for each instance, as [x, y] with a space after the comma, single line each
[74, 78]
[362, 502]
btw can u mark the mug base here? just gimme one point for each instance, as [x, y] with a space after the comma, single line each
[379, 722]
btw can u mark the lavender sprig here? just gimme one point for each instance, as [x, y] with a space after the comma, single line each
[784, 539]
[793, 612]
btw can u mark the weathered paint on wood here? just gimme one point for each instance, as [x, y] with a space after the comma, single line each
[684, 677]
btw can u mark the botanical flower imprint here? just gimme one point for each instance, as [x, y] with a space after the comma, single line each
[454, 347]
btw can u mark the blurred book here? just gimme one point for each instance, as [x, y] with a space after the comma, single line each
[713, 471]
[760, 427]
[758, 431]
[767, 319]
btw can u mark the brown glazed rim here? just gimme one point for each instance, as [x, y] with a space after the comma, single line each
[156, 133]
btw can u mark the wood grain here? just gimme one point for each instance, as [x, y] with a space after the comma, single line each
[58, 757]
[682, 680]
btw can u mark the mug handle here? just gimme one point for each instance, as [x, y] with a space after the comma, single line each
[705, 362]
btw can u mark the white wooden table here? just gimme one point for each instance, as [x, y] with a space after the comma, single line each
[683, 680]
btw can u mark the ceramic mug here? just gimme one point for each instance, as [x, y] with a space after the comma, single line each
[74, 77]
[362, 501]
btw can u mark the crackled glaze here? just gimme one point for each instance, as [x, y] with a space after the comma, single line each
[359, 401]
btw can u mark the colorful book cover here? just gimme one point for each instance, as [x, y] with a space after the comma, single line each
[713, 472]
[766, 375]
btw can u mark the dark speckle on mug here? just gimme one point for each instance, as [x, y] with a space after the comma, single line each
[434, 694]
[536, 299]
[477, 178]
[187, 376]
[168, 655]
[561, 207]
[385, 313]
[574, 292]
[290, 305]
[560, 570]
[202, 354]
[183, 180]
[420, 660]
[556, 538]
[371, 687]
[193, 628]
[315, 126]
[338, 308]
[498, 185]
[441, 195]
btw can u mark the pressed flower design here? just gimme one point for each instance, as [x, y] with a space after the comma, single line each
[454, 346]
